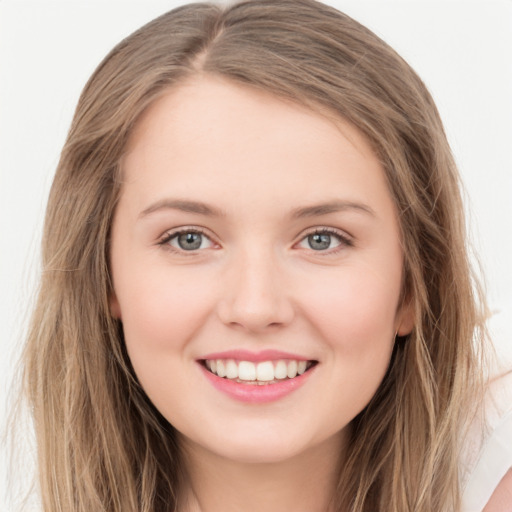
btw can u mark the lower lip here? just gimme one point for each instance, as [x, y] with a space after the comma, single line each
[254, 393]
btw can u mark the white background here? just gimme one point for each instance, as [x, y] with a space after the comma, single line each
[461, 49]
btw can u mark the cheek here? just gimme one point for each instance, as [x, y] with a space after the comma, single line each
[161, 310]
[355, 307]
[355, 313]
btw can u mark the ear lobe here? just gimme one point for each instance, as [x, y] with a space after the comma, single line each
[405, 318]
[115, 308]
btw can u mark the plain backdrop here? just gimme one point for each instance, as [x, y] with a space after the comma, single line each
[48, 49]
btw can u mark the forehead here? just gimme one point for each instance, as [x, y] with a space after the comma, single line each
[203, 102]
[210, 135]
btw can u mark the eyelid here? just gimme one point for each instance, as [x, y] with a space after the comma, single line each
[172, 233]
[344, 238]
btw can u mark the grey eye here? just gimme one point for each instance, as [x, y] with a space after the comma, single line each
[189, 241]
[319, 241]
[323, 240]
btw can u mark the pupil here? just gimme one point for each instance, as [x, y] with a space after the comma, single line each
[319, 241]
[190, 241]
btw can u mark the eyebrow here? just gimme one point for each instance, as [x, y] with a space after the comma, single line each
[185, 206]
[331, 207]
[297, 213]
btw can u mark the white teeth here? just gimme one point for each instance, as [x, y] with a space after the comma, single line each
[257, 373]
[231, 369]
[221, 369]
[265, 371]
[281, 370]
[246, 370]
[292, 369]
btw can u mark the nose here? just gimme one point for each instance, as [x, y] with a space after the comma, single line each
[254, 295]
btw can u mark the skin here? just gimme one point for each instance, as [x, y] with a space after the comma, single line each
[256, 283]
[501, 499]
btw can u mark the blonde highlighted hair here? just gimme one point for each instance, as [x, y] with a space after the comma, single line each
[102, 445]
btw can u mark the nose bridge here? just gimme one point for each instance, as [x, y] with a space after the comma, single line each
[254, 295]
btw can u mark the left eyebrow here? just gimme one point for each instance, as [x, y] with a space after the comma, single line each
[331, 207]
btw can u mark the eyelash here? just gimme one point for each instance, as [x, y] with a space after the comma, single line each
[345, 241]
[173, 234]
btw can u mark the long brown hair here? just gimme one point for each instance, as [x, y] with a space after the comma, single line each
[102, 445]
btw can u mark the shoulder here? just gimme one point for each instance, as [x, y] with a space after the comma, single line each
[501, 499]
[494, 470]
[488, 481]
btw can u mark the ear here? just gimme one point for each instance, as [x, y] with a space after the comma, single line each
[405, 318]
[115, 308]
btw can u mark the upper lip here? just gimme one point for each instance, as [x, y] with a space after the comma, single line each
[247, 355]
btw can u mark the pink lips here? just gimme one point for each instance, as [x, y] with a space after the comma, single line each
[253, 393]
[255, 357]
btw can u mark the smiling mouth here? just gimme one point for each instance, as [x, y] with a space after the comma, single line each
[262, 373]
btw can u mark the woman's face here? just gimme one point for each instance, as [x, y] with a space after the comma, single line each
[262, 236]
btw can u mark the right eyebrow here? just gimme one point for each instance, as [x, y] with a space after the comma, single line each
[185, 206]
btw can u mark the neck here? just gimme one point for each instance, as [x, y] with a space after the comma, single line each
[303, 483]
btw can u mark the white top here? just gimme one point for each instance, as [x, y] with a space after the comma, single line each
[489, 454]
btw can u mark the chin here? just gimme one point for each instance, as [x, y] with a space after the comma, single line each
[250, 453]
[260, 444]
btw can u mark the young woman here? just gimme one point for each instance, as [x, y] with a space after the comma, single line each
[256, 291]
